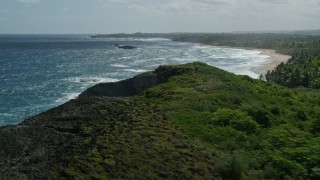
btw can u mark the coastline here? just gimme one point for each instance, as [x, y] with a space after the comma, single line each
[274, 58]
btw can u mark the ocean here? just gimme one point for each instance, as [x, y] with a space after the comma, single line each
[39, 72]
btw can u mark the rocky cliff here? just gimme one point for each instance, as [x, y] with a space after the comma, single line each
[135, 85]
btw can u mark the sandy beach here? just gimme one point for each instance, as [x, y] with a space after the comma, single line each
[275, 59]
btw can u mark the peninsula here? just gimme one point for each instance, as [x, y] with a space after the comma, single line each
[186, 121]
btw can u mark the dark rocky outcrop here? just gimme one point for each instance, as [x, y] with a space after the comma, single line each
[128, 87]
[135, 85]
[126, 47]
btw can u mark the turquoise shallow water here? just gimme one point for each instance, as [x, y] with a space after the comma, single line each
[38, 72]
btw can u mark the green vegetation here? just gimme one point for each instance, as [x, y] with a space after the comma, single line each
[134, 140]
[203, 123]
[298, 71]
[263, 129]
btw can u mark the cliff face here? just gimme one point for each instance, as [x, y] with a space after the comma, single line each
[129, 87]
[135, 85]
[178, 122]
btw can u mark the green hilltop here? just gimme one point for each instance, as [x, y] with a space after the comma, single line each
[189, 121]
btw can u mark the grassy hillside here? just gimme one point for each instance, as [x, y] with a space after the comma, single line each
[252, 129]
[200, 122]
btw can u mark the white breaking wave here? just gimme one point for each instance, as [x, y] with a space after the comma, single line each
[151, 39]
[119, 65]
[91, 80]
[85, 81]
[136, 70]
[6, 114]
[238, 61]
[67, 97]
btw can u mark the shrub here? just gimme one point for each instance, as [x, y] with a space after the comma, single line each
[275, 111]
[260, 116]
[235, 119]
[315, 83]
[301, 115]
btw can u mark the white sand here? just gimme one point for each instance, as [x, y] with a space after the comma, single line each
[275, 58]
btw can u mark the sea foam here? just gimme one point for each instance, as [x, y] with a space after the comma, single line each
[91, 80]
[67, 97]
[119, 65]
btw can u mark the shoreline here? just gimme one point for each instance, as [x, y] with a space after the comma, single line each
[274, 58]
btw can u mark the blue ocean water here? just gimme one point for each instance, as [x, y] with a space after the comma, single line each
[38, 72]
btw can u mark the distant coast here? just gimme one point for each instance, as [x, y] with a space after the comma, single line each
[274, 58]
[259, 42]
